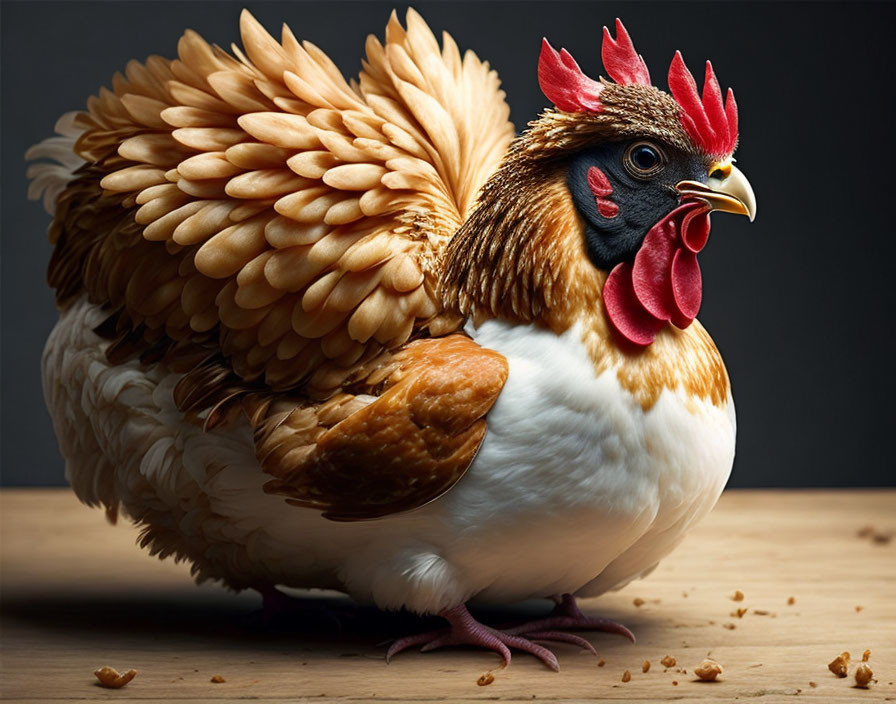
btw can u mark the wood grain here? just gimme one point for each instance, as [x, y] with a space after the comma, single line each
[77, 594]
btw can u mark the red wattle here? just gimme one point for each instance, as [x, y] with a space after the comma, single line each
[663, 283]
[652, 269]
[687, 285]
[695, 229]
[625, 312]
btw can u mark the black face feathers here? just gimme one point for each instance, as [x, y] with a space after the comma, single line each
[621, 194]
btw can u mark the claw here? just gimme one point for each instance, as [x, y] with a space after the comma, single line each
[411, 641]
[465, 630]
[567, 615]
[561, 637]
[587, 623]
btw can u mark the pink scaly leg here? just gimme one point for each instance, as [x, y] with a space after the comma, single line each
[466, 630]
[567, 616]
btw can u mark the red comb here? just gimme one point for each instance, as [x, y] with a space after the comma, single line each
[622, 63]
[710, 123]
[708, 120]
[563, 82]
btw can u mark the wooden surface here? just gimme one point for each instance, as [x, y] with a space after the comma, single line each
[77, 594]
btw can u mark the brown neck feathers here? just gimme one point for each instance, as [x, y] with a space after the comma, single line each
[520, 257]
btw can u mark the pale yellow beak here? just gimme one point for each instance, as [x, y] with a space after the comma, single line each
[726, 190]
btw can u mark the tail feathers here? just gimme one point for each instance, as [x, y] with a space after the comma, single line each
[49, 178]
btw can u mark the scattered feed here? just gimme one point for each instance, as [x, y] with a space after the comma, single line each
[485, 679]
[112, 678]
[840, 664]
[863, 675]
[708, 670]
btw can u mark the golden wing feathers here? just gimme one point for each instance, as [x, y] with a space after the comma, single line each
[264, 204]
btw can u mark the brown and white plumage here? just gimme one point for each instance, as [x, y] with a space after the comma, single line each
[291, 303]
[265, 225]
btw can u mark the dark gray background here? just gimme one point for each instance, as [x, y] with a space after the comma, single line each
[801, 302]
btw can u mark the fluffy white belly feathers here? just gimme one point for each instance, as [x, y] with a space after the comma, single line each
[576, 488]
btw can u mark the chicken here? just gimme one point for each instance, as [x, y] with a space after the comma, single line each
[355, 335]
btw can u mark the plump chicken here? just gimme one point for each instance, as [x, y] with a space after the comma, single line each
[354, 335]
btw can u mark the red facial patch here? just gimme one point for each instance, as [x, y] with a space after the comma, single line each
[664, 283]
[602, 190]
[607, 208]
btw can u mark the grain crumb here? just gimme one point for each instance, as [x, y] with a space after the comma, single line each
[626, 676]
[813, 685]
[708, 670]
[217, 679]
[601, 662]
[645, 666]
[112, 678]
[668, 661]
[866, 656]
[840, 664]
[761, 612]
[638, 601]
[859, 608]
[485, 678]
[675, 682]
[739, 613]
[875, 535]
[738, 596]
[729, 626]
[863, 675]
[791, 601]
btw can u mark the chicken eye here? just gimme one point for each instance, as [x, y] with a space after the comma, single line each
[643, 159]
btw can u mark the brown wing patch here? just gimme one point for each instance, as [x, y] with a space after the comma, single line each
[355, 457]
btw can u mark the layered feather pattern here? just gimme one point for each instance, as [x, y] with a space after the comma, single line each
[297, 216]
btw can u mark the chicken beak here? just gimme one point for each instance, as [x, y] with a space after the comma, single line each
[726, 190]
